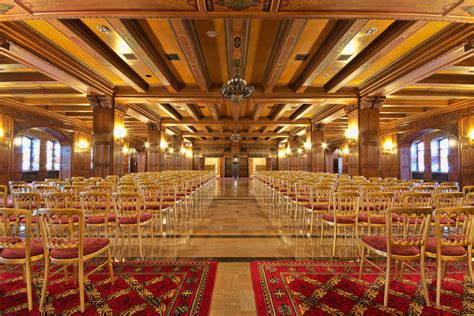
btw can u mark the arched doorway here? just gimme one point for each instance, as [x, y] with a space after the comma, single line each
[40, 153]
[429, 154]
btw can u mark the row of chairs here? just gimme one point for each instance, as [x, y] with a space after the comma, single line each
[49, 226]
[381, 220]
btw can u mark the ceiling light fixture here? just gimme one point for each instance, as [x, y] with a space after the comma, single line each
[235, 137]
[211, 33]
[103, 29]
[371, 31]
[236, 89]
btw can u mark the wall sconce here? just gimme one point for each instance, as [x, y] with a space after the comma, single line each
[2, 133]
[17, 141]
[281, 153]
[299, 151]
[125, 150]
[288, 150]
[147, 145]
[307, 145]
[82, 145]
[163, 145]
[189, 153]
[471, 134]
[345, 151]
[388, 146]
[183, 151]
[324, 145]
[120, 132]
[351, 134]
[171, 150]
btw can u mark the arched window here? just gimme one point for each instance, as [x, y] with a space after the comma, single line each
[418, 157]
[53, 153]
[30, 150]
[439, 155]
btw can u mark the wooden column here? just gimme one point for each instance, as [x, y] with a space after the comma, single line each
[81, 156]
[154, 151]
[364, 151]
[6, 146]
[107, 151]
[177, 157]
[317, 150]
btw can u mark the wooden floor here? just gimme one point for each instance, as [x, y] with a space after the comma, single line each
[234, 231]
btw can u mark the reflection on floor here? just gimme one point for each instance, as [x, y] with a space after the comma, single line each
[235, 232]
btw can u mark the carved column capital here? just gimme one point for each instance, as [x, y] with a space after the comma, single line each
[350, 108]
[153, 127]
[318, 127]
[371, 102]
[101, 101]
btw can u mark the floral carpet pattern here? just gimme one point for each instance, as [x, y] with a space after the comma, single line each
[141, 288]
[333, 288]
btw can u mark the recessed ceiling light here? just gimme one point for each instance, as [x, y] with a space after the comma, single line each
[148, 76]
[324, 76]
[211, 33]
[371, 31]
[103, 29]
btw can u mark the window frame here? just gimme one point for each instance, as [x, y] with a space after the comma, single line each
[31, 163]
[438, 154]
[418, 155]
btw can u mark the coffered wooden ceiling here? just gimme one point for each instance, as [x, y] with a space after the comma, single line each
[167, 61]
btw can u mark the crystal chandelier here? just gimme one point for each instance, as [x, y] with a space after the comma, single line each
[236, 89]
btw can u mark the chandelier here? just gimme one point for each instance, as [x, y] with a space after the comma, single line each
[235, 137]
[236, 89]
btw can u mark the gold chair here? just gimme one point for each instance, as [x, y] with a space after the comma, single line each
[448, 199]
[403, 242]
[16, 249]
[57, 200]
[96, 208]
[70, 247]
[452, 241]
[343, 213]
[468, 189]
[30, 201]
[3, 196]
[12, 183]
[417, 199]
[320, 200]
[128, 208]
[155, 203]
[373, 210]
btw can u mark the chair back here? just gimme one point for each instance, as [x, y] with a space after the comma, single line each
[453, 227]
[127, 188]
[468, 189]
[151, 194]
[417, 199]
[127, 204]
[57, 200]
[14, 188]
[96, 204]
[14, 238]
[448, 199]
[68, 235]
[27, 200]
[407, 226]
[43, 189]
[346, 203]
[376, 203]
[12, 183]
[77, 179]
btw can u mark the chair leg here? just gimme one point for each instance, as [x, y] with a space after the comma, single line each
[334, 241]
[362, 258]
[111, 268]
[387, 281]
[28, 285]
[469, 263]
[80, 279]
[139, 232]
[439, 272]
[45, 284]
[423, 280]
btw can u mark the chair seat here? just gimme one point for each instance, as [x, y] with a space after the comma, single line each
[157, 207]
[446, 250]
[9, 239]
[90, 245]
[33, 220]
[339, 219]
[65, 220]
[133, 220]
[10, 218]
[316, 207]
[36, 249]
[380, 243]
[93, 220]
[442, 220]
[364, 217]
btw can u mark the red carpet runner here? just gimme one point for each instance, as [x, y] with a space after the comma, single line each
[142, 288]
[333, 288]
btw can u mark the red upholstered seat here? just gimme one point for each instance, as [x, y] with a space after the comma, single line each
[446, 250]
[339, 219]
[157, 207]
[442, 220]
[36, 248]
[133, 220]
[11, 217]
[168, 200]
[364, 217]
[380, 243]
[33, 220]
[8, 239]
[90, 245]
[93, 220]
[65, 220]
[317, 207]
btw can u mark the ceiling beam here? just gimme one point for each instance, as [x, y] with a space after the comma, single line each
[337, 35]
[448, 79]
[331, 113]
[79, 33]
[171, 111]
[25, 78]
[288, 34]
[396, 33]
[67, 108]
[188, 39]
[192, 110]
[214, 110]
[231, 122]
[434, 93]
[279, 110]
[143, 112]
[301, 111]
[241, 134]
[237, 37]
[190, 129]
[148, 52]
[236, 109]
[446, 48]
[257, 111]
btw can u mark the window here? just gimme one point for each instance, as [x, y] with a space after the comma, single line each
[439, 155]
[53, 154]
[30, 149]
[418, 157]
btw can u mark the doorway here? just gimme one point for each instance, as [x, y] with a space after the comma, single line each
[213, 164]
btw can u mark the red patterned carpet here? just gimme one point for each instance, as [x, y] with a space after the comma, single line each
[333, 288]
[141, 288]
